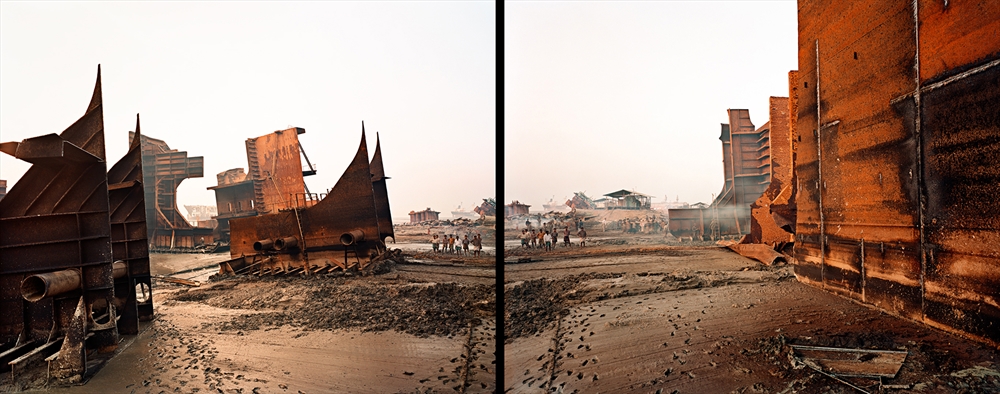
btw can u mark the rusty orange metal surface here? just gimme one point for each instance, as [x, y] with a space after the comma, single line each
[897, 190]
[64, 219]
[766, 227]
[276, 170]
[341, 231]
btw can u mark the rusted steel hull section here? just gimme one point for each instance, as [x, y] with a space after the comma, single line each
[129, 244]
[772, 217]
[381, 194]
[63, 220]
[165, 170]
[897, 191]
[747, 167]
[276, 171]
[339, 232]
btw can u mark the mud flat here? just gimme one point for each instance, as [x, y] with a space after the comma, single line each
[420, 328]
[670, 319]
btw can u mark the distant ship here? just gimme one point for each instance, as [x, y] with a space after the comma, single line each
[553, 206]
[460, 213]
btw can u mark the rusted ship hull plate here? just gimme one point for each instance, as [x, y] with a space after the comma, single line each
[897, 197]
[57, 218]
[342, 229]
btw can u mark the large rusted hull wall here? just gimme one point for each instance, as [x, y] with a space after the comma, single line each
[347, 213]
[165, 170]
[276, 171]
[897, 191]
[64, 215]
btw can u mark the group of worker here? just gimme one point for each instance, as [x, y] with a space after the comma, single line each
[548, 239]
[450, 244]
[632, 225]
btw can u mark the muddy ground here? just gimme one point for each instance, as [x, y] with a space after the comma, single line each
[426, 326]
[637, 315]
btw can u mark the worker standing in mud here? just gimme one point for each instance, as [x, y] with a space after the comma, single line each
[435, 243]
[533, 237]
[566, 237]
[465, 244]
[548, 241]
[477, 244]
[583, 237]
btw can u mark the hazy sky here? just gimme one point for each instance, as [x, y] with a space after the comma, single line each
[207, 76]
[602, 96]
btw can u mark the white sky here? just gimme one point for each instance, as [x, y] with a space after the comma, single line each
[206, 76]
[602, 96]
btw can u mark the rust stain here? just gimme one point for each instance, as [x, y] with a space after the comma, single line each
[896, 191]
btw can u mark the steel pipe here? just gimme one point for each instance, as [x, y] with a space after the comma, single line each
[119, 269]
[285, 243]
[39, 286]
[262, 245]
[352, 237]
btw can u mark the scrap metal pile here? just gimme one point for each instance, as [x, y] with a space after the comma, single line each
[74, 260]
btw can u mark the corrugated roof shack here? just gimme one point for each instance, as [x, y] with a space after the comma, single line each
[426, 215]
[897, 203]
[624, 199]
[515, 208]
